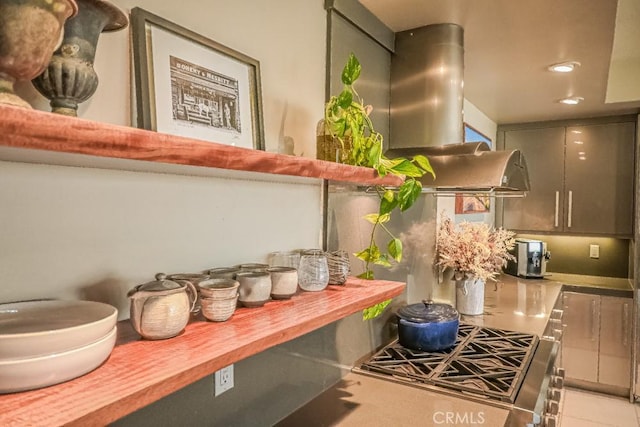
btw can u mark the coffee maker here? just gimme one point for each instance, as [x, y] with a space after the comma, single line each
[531, 258]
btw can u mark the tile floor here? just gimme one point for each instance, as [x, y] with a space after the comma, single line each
[581, 408]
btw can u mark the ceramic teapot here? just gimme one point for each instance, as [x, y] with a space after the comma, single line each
[161, 308]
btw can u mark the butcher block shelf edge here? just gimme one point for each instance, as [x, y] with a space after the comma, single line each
[139, 372]
[37, 130]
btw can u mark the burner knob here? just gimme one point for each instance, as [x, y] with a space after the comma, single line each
[550, 421]
[557, 382]
[559, 372]
[553, 407]
[553, 394]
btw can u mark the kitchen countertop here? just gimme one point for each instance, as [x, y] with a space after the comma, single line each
[517, 304]
[513, 303]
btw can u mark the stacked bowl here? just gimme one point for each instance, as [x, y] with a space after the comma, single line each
[47, 342]
[218, 298]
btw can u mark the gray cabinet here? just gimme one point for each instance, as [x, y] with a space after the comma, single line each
[581, 336]
[596, 341]
[581, 179]
[614, 360]
[543, 150]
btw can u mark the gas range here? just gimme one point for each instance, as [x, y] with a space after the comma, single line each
[508, 369]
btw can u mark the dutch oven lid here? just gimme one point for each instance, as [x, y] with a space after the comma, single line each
[428, 312]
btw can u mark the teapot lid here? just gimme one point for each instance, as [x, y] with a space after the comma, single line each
[160, 284]
[428, 312]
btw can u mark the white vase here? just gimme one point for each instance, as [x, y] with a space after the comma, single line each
[470, 296]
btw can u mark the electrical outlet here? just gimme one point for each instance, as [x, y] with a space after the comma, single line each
[223, 380]
[594, 251]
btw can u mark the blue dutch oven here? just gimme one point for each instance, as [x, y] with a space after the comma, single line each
[428, 326]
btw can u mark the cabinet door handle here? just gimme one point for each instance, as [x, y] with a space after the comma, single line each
[625, 324]
[569, 214]
[557, 208]
[594, 333]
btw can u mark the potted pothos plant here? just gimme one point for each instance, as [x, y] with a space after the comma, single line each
[347, 120]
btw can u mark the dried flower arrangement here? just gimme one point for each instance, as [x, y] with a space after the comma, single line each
[473, 249]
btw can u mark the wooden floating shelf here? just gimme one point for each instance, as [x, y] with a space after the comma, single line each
[38, 130]
[139, 372]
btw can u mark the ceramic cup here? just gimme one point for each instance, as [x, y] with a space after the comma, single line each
[255, 288]
[253, 266]
[284, 282]
[223, 272]
[219, 288]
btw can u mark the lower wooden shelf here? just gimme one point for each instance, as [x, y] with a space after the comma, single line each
[139, 372]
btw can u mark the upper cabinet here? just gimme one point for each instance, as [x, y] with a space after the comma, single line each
[581, 178]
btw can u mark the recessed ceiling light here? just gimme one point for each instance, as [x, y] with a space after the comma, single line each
[564, 67]
[572, 100]
[578, 142]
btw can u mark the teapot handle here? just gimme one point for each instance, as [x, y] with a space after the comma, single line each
[193, 294]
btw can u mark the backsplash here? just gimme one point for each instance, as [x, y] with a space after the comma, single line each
[571, 254]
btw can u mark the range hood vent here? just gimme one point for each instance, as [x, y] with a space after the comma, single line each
[472, 168]
[426, 117]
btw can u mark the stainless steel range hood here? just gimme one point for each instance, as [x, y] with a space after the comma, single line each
[427, 117]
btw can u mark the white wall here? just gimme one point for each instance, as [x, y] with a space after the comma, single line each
[91, 233]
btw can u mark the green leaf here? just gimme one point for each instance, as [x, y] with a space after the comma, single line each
[382, 260]
[364, 255]
[395, 249]
[375, 311]
[370, 254]
[345, 99]
[407, 168]
[375, 152]
[408, 193]
[372, 218]
[424, 163]
[368, 275]
[351, 70]
[387, 205]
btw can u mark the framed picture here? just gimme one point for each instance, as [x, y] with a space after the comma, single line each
[191, 86]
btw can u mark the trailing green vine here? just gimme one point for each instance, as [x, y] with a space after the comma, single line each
[347, 120]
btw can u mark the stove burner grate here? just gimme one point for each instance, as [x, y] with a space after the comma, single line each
[484, 362]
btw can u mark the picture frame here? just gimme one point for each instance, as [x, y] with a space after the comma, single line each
[192, 86]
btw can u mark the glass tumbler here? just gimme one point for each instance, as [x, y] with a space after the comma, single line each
[284, 259]
[313, 271]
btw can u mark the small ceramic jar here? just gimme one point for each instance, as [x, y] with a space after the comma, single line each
[284, 282]
[255, 288]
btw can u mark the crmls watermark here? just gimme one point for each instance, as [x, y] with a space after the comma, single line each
[458, 418]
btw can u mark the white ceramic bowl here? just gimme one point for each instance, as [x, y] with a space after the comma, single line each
[36, 372]
[34, 328]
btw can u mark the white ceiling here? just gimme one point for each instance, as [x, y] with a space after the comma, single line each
[510, 43]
